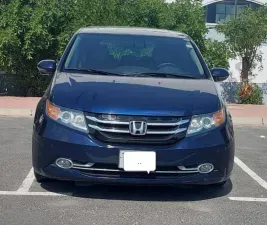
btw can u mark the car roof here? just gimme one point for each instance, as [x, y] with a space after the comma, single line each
[133, 31]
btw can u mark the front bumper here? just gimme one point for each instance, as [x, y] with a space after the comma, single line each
[51, 141]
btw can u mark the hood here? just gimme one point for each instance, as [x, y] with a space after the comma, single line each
[147, 96]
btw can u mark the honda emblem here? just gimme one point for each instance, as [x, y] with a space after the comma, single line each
[138, 128]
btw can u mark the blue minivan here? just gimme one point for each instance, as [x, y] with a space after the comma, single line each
[132, 106]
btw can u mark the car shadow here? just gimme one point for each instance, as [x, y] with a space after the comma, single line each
[139, 193]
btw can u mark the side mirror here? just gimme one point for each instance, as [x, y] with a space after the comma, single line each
[219, 74]
[47, 67]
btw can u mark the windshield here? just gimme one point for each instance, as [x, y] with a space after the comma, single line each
[133, 54]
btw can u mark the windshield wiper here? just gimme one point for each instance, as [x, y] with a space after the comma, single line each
[150, 74]
[156, 74]
[92, 71]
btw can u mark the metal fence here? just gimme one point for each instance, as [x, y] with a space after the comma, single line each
[8, 85]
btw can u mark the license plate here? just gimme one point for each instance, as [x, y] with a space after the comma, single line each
[137, 161]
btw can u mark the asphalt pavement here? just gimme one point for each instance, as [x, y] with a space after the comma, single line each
[243, 200]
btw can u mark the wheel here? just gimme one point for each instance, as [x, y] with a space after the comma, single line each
[39, 178]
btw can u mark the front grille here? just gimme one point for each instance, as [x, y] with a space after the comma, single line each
[116, 129]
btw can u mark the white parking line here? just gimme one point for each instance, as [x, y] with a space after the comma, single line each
[27, 193]
[248, 199]
[251, 173]
[27, 183]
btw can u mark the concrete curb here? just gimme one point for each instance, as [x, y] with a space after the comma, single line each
[17, 112]
[250, 121]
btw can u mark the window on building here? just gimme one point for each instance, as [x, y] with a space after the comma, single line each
[224, 11]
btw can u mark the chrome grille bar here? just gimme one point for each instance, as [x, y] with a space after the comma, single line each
[161, 130]
[115, 122]
[113, 130]
[181, 122]
[179, 130]
[126, 131]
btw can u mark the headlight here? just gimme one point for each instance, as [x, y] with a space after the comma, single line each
[202, 123]
[68, 117]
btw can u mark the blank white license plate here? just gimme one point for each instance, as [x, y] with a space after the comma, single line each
[134, 161]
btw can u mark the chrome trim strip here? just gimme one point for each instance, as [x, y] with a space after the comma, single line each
[181, 122]
[88, 165]
[179, 130]
[106, 121]
[109, 130]
[187, 169]
[179, 172]
[117, 170]
[96, 169]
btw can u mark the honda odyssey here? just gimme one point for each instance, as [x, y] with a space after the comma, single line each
[132, 106]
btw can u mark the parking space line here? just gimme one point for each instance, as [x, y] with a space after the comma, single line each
[251, 173]
[27, 193]
[27, 183]
[248, 199]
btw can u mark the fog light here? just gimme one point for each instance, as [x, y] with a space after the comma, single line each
[64, 163]
[205, 168]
